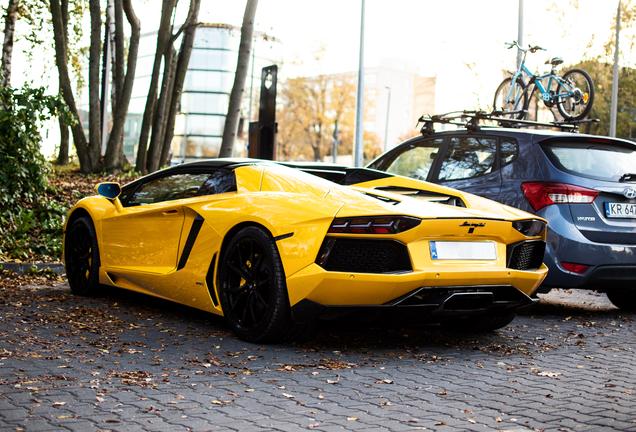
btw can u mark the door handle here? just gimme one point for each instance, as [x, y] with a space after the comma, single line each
[170, 212]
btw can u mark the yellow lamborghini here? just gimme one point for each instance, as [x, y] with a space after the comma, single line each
[275, 247]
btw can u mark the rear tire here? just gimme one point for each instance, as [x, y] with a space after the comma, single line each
[521, 101]
[623, 299]
[479, 324]
[578, 106]
[253, 292]
[81, 256]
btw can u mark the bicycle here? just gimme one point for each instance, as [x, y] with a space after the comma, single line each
[572, 93]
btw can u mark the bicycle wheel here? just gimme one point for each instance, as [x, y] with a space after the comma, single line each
[577, 106]
[517, 100]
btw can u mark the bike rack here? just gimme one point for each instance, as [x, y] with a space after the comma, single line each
[471, 121]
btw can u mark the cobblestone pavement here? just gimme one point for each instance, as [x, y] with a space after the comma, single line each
[126, 362]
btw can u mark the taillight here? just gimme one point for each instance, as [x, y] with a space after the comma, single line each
[373, 225]
[544, 194]
[575, 268]
[530, 228]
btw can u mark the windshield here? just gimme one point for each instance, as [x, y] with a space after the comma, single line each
[592, 159]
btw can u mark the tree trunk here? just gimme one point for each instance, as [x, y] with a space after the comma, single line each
[94, 129]
[162, 37]
[118, 66]
[158, 123]
[7, 47]
[236, 97]
[61, 60]
[179, 77]
[62, 156]
[115, 140]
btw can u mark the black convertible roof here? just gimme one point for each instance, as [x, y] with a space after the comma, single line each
[340, 174]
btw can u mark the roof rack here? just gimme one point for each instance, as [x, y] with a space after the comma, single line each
[471, 121]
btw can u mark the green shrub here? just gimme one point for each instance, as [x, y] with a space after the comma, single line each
[30, 222]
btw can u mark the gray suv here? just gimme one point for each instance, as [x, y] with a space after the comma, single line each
[584, 185]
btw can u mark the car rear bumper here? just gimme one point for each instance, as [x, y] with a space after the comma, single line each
[425, 304]
[611, 266]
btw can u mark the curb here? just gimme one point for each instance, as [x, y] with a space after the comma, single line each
[22, 268]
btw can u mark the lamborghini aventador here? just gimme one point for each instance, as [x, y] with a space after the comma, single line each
[273, 248]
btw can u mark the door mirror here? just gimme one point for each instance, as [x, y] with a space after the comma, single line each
[110, 190]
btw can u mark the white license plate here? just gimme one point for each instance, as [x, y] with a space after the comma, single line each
[620, 210]
[448, 250]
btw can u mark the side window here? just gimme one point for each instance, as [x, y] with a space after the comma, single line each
[509, 150]
[416, 161]
[169, 188]
[219, 182]
[468, 157]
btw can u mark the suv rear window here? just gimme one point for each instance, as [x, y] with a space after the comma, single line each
[592, 159]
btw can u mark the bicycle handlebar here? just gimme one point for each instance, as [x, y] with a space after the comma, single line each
[532, 49]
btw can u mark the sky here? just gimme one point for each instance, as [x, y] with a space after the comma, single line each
[461, 42]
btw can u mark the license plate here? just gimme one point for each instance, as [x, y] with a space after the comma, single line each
[620, 210]
[448, 250]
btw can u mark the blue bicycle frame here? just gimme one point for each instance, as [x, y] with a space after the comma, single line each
[546, 96]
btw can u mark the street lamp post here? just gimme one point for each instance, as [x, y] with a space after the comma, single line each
[386, 129]
[358, 144]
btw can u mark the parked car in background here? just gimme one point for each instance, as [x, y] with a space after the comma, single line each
[274, 248]
[583, 185]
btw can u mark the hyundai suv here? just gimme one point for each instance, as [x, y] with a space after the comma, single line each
[584, 185]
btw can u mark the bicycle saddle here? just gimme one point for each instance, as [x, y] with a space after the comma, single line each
[555, 61]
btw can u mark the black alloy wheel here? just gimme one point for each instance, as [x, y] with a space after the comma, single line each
[253, 292]
[82, 257]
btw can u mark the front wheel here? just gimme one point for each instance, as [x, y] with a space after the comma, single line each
[623, 299]
[579, 105]
[509, 97]
[253, 291]
[82, 257]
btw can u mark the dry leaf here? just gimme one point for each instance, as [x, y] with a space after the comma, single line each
[549, 374]
[386, 403]
[472, 421]
[440, 424]
[179, 396]
[58, 403]
[384, 381]
[249, 390]
[288, 396]
[313, 425]
[352, 418]
[442, 393]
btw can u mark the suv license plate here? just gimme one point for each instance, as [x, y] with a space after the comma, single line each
[448, 250]
[620, 210]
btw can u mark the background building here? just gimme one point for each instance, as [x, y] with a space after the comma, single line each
[398, 96]
[206, 90]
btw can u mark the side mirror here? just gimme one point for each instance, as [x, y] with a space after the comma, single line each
[111, 191]
[108, 190]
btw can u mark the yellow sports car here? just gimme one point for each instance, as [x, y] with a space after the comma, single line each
[274, 247]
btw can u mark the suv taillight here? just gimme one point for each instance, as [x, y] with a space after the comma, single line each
[544, 194]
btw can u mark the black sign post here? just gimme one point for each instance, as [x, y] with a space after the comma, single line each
[264, 146]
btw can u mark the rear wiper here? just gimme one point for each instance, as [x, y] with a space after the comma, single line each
[627, 177]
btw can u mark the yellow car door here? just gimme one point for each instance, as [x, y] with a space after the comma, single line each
[145, 235]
